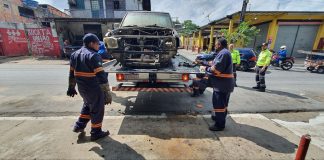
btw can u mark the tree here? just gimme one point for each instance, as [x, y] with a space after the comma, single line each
[242, 35]
[188, 28]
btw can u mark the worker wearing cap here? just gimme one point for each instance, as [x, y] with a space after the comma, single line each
[263, 62]
[221, 79]
[236, 59]
[87, 72]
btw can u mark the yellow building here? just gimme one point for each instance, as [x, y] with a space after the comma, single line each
[296, 30]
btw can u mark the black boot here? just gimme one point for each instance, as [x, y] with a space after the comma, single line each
[256, 87]
[215, 128]
[261, 89]
[101, 134]
[77, 129]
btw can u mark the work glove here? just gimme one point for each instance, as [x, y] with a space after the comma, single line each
[107, 93]
[71, 92]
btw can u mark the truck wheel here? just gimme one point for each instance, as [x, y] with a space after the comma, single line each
[244, 66]
[320, 70]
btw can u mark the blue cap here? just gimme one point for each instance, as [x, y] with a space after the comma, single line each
[88, 38]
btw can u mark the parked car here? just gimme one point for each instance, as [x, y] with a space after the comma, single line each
[248, 58]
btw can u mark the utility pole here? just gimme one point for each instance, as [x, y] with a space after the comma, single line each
[245, 3]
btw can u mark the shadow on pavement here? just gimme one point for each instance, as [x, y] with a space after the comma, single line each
[169, 103]
[197, 128]
[280, 93]
[110, 148]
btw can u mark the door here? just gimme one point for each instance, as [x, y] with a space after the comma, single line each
[260, 38]
[301, 37]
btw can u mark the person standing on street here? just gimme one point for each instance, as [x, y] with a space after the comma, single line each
[87, 72]
[236, 59]
[221, 79]
[261, 67]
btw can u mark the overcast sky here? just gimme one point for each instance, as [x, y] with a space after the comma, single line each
[198, 10]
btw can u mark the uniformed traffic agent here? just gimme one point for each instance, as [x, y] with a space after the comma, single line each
[87, 72]
[236, 59]
[221, 78]
[261, 67]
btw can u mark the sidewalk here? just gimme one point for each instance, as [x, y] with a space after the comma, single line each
[247, 136]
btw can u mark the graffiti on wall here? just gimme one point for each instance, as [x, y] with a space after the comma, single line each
[15, 36]
[42, 41]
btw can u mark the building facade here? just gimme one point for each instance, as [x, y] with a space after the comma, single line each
[15, 11]
[106, 8]
[296, 30]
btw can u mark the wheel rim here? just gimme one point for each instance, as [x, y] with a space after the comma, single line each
[287, 65]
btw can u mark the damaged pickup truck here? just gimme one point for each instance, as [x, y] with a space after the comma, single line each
[144, 40]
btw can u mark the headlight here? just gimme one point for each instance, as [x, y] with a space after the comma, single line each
[169, 43]
[112, 42]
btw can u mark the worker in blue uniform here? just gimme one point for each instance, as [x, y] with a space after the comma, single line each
[221, 79]
[87, 72]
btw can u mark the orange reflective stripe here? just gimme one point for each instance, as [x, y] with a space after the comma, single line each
[84, 74]
[84, 116]
[96, 125]
[220, 110]
[99, 69]
[225, 75]
[219, 74]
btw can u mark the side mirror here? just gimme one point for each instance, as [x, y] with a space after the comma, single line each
[116, 25]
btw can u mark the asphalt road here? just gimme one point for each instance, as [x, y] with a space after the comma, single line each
[39, 90]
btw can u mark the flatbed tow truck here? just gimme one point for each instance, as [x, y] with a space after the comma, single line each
[174, 78]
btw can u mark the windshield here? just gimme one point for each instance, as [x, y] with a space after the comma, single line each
[148, 19]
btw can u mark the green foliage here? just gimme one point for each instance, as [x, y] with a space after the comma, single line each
[242, 35]
[188, 28]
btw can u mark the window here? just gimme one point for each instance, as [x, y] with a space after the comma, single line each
[95, 5]
[26, 12]
[6, 5]
[116, 5]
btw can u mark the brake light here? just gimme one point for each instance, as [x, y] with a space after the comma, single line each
[253, 58]
[185, 77]
[120, 77]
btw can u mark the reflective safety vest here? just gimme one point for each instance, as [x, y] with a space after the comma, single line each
[236, 58]
[264, 58]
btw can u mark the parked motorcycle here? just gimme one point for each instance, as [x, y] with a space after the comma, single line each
[285, 64]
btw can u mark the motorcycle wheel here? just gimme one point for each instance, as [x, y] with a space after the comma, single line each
[286, 65]
[320, 70]
[310, 68]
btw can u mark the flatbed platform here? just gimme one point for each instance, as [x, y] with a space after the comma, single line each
[176, 67]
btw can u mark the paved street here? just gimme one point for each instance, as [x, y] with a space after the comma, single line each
[29, 90]
[157, 125]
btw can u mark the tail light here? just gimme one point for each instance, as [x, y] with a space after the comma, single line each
[185, 77]
[253, 58]
[120, 77]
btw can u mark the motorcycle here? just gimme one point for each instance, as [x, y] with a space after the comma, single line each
[285, 64]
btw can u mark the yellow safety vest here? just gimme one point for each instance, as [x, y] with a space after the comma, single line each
[264, 58]
[236, 58]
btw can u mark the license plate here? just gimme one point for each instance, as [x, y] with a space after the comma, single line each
[131, 76]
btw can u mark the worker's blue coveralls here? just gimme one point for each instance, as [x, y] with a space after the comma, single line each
[221, 78]
[86, 67]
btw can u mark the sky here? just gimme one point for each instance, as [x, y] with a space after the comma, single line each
[198, 10]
